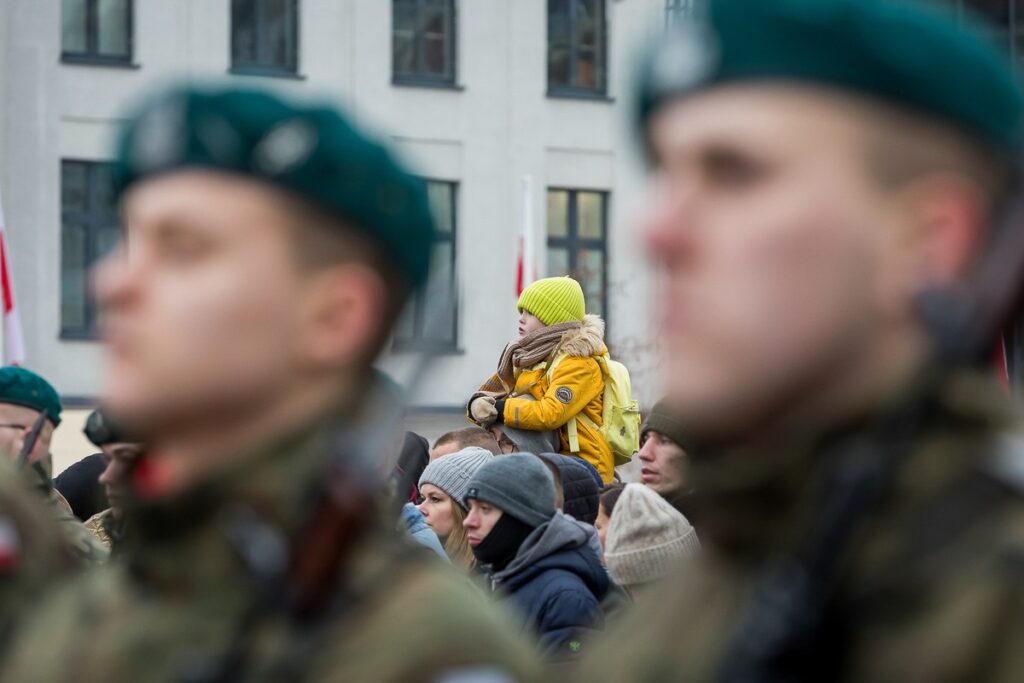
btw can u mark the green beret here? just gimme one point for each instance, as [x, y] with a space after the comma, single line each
[311, 150]
[25, 388]
[902, 52]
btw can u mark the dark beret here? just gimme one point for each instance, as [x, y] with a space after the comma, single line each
[902, 52]
[25, 388]
[101, 430]
[311, 150]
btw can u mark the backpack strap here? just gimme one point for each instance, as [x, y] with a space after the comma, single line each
[571, 429]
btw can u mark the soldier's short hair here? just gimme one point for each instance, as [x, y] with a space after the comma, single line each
[470, 436]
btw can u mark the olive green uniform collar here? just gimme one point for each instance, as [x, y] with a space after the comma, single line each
[749, 500]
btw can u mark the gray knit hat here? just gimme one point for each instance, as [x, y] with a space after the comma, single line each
[646, 538]
[519, 484]
[452, 472]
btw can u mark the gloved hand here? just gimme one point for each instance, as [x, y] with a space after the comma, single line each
[483, 411]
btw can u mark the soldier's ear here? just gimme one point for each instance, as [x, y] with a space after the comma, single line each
[949, 215]
[343, 315]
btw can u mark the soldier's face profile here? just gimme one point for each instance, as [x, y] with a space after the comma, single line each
[202, 303]
[15, 424]
[772, 244]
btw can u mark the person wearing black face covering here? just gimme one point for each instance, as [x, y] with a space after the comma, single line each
[538, 560]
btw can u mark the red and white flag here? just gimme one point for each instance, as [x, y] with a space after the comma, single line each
[13, 338]
[526, 268]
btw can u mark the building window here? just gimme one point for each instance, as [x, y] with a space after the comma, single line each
[265, 37]
[578, 242]
[431, 320]
[678, 10]
[89, 230]
[577, 46]
[96, 31]
[423, 42]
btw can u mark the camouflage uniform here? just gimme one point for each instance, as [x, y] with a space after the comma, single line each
[179, 603]
[99, 526]
[87, 547]
[933, 589]
[34, 555]
[886, 543]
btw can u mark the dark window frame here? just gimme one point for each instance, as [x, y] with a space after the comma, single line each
[417, 303]
[264, 67]
[573, 243]
[600, 91]
[91, 55]
[420, 78]
[93, 219]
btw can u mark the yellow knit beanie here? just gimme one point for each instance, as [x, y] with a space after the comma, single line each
[554, 300]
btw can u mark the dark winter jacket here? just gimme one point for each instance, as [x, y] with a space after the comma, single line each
[80, 486]
[556, 583]
[579, 486]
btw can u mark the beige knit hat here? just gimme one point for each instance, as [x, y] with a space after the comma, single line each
[646, 538]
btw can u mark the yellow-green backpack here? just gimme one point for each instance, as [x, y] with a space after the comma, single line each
[620, 424]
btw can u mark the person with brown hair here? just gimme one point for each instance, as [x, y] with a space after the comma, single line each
[443, 486]
[454, 441]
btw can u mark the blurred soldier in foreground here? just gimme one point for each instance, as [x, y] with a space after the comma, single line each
[834, 222]
[268, 249]
[30, 411]
[35, 551]
[120, 456]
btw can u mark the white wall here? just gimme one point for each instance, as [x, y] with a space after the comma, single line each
[498, 127]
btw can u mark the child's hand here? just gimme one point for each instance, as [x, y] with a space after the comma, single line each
[483, 411]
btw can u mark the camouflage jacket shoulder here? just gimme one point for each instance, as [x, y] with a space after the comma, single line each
[931, 589]
[169, 607]
[89, 550]
[98, 526]
[34, 554]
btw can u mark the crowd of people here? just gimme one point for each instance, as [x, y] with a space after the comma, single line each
[542, 532]
[830, 490]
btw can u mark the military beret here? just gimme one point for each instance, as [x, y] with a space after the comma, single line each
[902, 52]
[310, 150]
[101, 430]
[25, 388]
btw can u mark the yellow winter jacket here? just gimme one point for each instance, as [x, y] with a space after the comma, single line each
[576, 386]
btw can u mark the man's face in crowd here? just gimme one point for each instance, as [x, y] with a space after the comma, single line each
[663, 464]
[15, 424]
[601, 524]
[773, 245]
[119, 458]
[207, 312]
[481, 519]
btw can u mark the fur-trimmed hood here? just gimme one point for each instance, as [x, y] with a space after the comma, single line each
[584, 342]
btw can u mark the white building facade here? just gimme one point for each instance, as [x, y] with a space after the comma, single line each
[485, 98]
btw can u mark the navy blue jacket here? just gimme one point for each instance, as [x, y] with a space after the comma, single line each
[581, 486]
[556, 583]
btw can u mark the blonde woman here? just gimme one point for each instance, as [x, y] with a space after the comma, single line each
[443, 486]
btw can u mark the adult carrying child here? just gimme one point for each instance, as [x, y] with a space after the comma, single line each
[557, 378]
